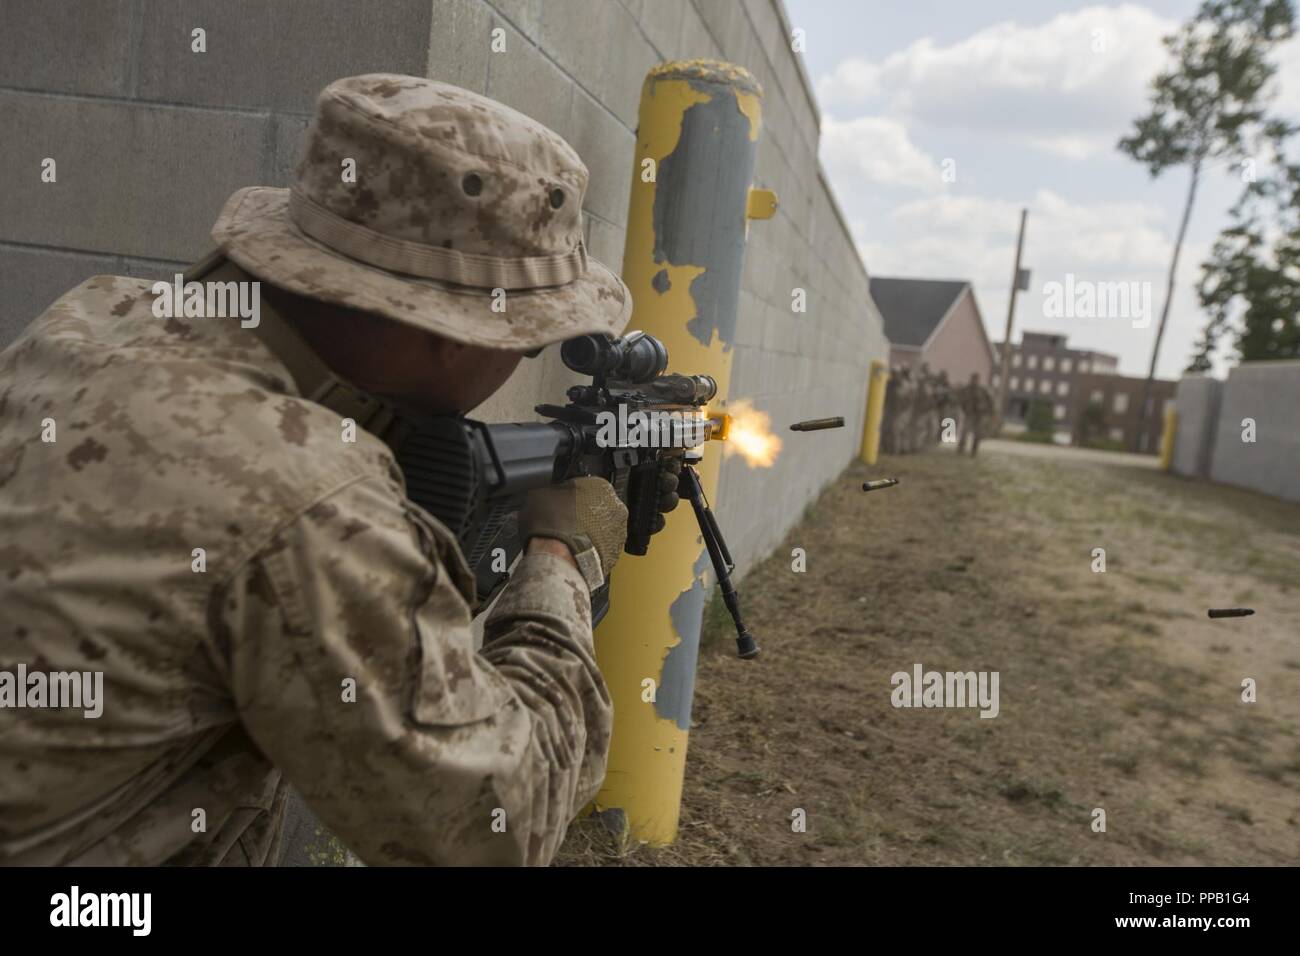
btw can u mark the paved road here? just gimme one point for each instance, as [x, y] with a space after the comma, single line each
[998, 446]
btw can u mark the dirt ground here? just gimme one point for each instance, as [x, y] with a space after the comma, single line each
[1116, 691]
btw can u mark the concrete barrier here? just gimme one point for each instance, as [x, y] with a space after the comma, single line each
[1197, 400]
[1261, 401]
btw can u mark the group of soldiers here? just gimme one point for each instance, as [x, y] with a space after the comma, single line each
[918, 403]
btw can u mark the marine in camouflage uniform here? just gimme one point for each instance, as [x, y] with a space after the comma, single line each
[889, 413]
[946, 404]
[925, 426]
[901, 419]
[321, 637]
[977, 413]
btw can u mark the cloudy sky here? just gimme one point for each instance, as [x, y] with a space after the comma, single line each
[1027, 98]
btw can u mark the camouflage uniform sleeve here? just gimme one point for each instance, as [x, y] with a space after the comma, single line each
[351, 659]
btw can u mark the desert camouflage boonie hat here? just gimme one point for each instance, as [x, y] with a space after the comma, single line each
[455, 196]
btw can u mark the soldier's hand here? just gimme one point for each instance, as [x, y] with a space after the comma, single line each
[583, 513]
[669, 476]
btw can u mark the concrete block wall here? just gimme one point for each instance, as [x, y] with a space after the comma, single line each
[150, 138]
[1197, 403]
[1269, 393]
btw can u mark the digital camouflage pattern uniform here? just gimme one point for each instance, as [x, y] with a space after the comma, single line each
[977, 413]
[946, 402]
[222, 685]
[903, 401]
[889, 414]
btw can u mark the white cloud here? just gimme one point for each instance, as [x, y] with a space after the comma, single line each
[878, 150]
[1069, 86]
[1000, 96]
[974, 238]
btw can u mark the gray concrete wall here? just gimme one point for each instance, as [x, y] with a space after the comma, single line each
[1269, 393]
[1197, 401]
[150, 138]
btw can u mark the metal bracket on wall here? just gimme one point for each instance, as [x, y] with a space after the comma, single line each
[761, 205]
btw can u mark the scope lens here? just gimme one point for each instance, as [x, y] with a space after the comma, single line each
[636, 358]
[585, 354]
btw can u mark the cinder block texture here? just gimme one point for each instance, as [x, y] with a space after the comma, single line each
[524, 77]
[460, 42]
[263, 55]
[1197, 405]
[1268, 393]
[66, 46]
[133, 179]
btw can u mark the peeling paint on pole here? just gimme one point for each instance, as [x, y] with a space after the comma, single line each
[698, 124]
[700, 205]
[677, 679]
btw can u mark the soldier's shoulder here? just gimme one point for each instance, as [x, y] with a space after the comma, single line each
[125, 312]
[94, 300]
[98, 291]
[185, 404]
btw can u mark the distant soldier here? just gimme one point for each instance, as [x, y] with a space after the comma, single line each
[945, 401]
[977, 412]
[924, 422]
[890, 412]
[901, 421]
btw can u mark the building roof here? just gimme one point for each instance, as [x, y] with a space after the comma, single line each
[913, 308]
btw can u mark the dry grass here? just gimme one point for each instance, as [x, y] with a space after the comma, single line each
[1116, 691]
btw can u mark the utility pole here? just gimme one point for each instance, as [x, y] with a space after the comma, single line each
[1011, 311]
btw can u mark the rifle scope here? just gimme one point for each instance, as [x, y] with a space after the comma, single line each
[635, 358]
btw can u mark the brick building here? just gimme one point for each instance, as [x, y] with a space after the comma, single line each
[1044, 368]
[1119, 397]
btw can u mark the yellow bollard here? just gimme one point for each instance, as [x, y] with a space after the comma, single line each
[688, 216]
[1167, 439]
[877, 378]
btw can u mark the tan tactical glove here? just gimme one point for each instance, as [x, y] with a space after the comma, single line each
[669, 477]
[585, 514]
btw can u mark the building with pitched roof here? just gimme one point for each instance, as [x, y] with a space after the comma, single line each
[936, 322]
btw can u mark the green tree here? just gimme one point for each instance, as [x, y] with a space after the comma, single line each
[1039, 421]
[1092, 422]
[1207, 107]
[1251, 282]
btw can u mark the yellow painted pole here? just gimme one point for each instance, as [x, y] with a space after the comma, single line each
[1167, 439]
[877, 378]
[688, 216]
